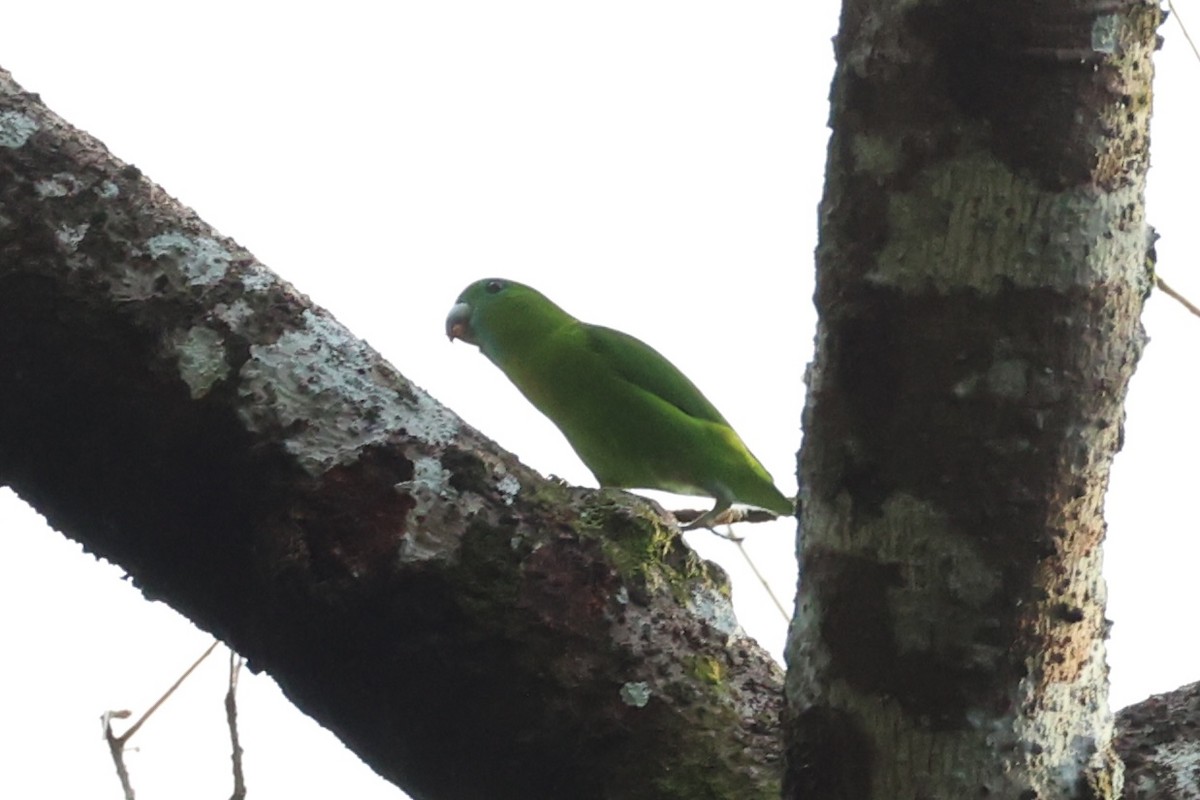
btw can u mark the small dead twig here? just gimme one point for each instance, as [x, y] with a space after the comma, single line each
[1182, 27]
[239, 778]
[116, 744]
[1183, 301]
[116, 748]
[729, 516]
[754, 568]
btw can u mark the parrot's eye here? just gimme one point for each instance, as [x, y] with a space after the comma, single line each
[494, 286]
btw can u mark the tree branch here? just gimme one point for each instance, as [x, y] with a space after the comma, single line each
[236, 663]
[116, 744]
[183, 412]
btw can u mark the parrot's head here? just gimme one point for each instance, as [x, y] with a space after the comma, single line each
[472, 308]
[496, 314]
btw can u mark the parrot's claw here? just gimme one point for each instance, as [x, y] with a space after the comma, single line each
[710, 518]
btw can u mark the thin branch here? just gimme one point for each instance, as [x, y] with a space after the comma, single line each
[754, 568]
[1183, 301]
[239, 777]
[125, 737]
[116, 744]
[1182, 27]
[116, 748]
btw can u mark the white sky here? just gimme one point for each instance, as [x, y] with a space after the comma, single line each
[650, 166]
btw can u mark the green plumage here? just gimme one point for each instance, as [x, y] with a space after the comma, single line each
[635, 420]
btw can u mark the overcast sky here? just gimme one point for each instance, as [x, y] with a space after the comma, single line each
[652, 166]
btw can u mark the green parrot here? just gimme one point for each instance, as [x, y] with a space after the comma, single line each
[634, 419]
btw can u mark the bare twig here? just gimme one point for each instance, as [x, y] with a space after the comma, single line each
[1182, 27]
[127, 735]
[116, 744]
[754, 568]
[116, 748]
[239, 777]
[1183, 301]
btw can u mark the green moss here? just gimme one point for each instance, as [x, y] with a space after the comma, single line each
[646, 551]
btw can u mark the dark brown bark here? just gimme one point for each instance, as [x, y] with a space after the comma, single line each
[981, 272]
[468, 628]
[1159, 741]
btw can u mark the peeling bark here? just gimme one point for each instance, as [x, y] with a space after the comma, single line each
[470, 629]
[981, 273]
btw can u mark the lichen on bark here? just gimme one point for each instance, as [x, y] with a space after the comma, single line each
[981, 271]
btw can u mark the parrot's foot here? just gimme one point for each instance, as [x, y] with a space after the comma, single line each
[717, 515]
[690, 519]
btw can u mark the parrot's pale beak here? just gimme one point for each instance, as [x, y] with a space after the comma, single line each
[458, 323]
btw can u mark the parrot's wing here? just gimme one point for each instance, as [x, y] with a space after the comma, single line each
[644, 367]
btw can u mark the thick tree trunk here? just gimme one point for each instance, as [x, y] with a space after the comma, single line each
[981, 272]
[468, 628]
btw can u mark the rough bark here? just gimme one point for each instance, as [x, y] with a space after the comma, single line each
[1158, 739]
[468, 628]
[982, 264]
